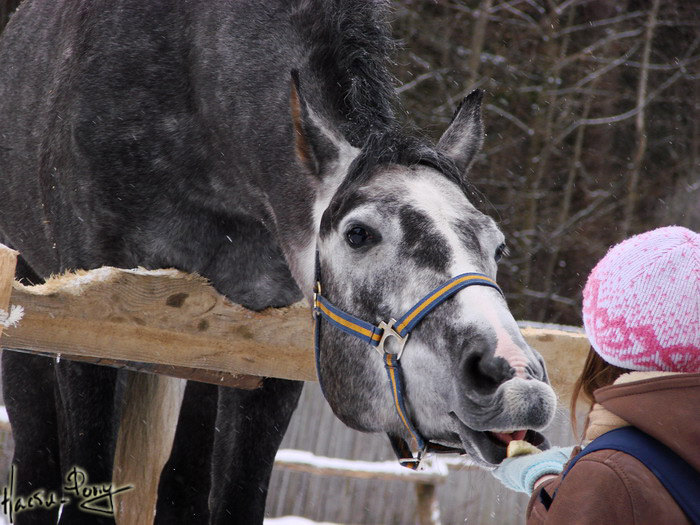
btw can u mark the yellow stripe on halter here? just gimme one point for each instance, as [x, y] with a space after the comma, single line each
[348, 324]
[437, 294]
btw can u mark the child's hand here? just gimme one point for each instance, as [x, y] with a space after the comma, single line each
[520, 473]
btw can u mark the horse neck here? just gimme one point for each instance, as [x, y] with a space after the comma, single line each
[298, 208]
[258, 135]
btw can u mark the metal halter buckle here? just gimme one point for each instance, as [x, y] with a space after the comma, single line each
[390, 332]
[317, 292]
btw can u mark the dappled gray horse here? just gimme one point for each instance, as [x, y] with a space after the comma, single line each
[239, 140]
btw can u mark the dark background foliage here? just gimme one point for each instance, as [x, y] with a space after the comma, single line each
[593, 120]
[6, 7]
[592, 112]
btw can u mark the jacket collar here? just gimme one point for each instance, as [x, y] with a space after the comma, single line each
[600, 420]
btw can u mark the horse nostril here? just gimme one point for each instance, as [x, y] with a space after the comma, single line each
[534, 372]
[484, 373]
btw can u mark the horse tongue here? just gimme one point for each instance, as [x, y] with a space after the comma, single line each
[510, 436]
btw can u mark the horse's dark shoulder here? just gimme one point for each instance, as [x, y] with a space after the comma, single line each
[119, 155]
[159, 132]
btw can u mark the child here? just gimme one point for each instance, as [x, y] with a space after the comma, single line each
[641, 313]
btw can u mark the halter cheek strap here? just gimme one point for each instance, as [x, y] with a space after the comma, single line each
[377, 335]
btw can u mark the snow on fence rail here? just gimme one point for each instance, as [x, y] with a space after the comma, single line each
[433, 471]
[302, 461]
[172, 323]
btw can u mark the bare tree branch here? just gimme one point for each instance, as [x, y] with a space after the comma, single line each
[570, 3]
[681, 64]
[420, 78]
[599, 23]
[621, 116]
[600, 43]
[515, 120]
[552, 297]
[610, 66]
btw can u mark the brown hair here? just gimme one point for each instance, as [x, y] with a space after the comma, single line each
[596, 374]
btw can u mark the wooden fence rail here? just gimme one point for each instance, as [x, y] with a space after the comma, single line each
[425, 480]
[176, 324]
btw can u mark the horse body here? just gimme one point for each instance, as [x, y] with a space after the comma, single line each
[169, 134]
[169, 155]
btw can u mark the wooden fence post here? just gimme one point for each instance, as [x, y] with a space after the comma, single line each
[427, 504]
[150, 411]
[8, 262]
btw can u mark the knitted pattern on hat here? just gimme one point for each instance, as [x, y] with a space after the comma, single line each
[641, 304]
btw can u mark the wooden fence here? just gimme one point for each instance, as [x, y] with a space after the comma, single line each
[174, 324]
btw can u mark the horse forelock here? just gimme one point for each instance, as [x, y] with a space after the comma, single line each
[382, 150]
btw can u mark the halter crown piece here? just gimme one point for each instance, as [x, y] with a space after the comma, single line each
[377, 335]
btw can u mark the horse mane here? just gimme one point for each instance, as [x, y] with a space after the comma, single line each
[350, 49]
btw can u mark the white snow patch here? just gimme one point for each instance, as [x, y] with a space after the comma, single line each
[433, 467]
[11, 318]
[390, 468]
[294, 520]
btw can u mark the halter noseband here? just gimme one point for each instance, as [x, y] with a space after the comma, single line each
[377, 335]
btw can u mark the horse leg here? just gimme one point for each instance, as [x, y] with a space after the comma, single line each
[28, 388]
[183, 492]
[250, 425]
[89, 396]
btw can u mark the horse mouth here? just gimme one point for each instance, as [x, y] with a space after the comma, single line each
[493, 449]
[502, 439]
[489, 447]
[507, 437]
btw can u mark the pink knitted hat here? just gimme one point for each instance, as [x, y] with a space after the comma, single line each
[641, 304]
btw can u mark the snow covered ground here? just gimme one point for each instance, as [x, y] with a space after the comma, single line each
[286, 520]
[294, 520]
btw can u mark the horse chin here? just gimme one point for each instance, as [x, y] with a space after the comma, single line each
[486, 449]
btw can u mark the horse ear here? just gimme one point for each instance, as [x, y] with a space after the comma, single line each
[463, 138]
[314, 143]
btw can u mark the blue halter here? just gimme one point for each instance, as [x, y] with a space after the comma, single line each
[376, 336]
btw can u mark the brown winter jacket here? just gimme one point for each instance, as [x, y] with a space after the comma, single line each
[611, 487]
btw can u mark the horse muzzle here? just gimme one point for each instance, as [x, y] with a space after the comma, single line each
[516, 410]
[516, 404]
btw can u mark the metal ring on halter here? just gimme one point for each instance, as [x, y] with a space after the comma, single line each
[388, 331]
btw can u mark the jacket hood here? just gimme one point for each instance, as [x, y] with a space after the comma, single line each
[664, 405]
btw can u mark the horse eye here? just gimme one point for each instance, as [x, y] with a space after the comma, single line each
[500, 252]
[357, 236]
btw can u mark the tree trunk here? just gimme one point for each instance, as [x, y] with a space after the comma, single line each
[477, 45]
[564, 211]
[540, 147]
[640, 126]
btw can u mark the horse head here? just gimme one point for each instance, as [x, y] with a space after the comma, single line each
[395, 224]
